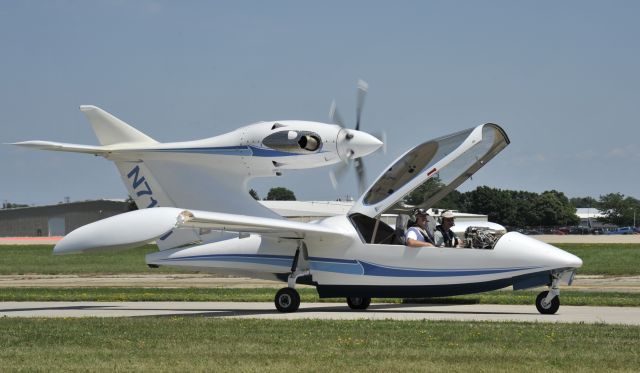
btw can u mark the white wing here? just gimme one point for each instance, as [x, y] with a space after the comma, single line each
[251, 224]
[136, 228]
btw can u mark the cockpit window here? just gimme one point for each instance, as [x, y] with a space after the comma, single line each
[366, 227]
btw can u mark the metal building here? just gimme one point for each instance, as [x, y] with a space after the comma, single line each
[56, 220]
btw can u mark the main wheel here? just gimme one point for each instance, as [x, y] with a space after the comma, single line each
[358, 303]
[287, 300]
[547, 308]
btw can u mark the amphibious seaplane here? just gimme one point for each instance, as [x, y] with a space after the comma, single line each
[194, 204]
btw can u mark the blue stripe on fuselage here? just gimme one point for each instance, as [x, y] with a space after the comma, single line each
[242, 150]
[356, 267]
[347, 266]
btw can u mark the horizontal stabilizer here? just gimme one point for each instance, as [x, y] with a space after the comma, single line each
[120, 232]
[62, 147]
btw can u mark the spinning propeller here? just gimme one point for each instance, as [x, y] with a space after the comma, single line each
[353, 143]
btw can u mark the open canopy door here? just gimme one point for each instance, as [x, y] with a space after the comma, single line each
[443, 164]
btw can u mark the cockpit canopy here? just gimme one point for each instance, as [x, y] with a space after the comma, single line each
[300, 142]
[440, 165]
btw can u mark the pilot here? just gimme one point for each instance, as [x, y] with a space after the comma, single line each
[420, 235]
[443, 234]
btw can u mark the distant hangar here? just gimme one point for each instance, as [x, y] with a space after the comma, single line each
[56, 220]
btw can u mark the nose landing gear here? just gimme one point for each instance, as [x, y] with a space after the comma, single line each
[548, 302]
[547, 307]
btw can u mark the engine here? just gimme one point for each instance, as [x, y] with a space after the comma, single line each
[480, 238]
[300, 142]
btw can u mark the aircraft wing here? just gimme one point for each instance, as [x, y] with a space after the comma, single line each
[438, 166]
[278, 228]
[136, 228]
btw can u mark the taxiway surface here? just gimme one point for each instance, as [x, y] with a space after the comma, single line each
[323, 311]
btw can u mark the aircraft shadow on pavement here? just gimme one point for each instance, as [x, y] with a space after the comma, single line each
[60, 308]
[391, 309]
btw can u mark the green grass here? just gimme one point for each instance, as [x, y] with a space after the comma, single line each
[38, 259]
[573, 298]
[604, 259]
[199, 344]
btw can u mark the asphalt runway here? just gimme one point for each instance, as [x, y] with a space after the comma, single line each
[323, 311]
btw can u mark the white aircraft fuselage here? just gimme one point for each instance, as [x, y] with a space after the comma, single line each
[349, 266]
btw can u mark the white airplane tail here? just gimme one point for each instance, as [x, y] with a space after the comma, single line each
[157, 176]
[111, 130]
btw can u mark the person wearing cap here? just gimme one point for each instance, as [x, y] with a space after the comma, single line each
[419, 234]
[444, 236]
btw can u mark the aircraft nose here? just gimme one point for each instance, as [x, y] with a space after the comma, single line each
[574, 261]
[537, 252]
[356, 144]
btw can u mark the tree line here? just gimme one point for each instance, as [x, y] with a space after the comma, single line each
[529, 209]
[513, 208]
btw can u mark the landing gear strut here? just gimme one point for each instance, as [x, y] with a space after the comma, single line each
[288, 299]
[548, 302]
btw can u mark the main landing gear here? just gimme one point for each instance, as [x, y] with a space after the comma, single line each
[548, 302]
[288, 299]
[358, 303]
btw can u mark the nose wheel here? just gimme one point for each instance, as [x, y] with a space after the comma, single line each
[548, 302]
[287, 300]
[545, 306]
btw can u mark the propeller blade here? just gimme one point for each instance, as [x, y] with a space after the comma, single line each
[338, 173]
[360, 172]
[363, 87]
[334, 115]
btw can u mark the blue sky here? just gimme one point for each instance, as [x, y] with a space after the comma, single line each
[562, 78]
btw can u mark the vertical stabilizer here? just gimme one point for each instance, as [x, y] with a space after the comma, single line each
[145, 190]
[111, 130]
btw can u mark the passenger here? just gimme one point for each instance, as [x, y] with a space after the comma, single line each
[419, 235]
[444, 236]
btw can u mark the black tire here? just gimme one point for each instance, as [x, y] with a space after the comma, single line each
[287, 300]
[358, 303]
[547, 309]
